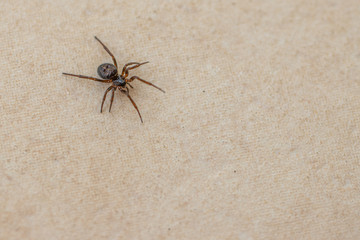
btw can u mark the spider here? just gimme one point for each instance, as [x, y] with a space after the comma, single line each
[110, 74]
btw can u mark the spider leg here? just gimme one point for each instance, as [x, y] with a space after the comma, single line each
[130, 63]
[108, 51]
[130, 85]
[112, 98]
[106, 92]
[132, 101]
[86, 77]
[142, 80]
[126, 69]
[138, 65]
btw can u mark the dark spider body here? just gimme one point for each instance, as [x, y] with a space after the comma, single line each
[109, 74]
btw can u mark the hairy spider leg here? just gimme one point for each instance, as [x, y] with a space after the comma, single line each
[86, 77]
[108, 51]
[106, 92]
[125, 71]
[112, 98]
[126, 92]
[142, 80]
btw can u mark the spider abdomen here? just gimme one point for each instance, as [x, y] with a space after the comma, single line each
[107, 71]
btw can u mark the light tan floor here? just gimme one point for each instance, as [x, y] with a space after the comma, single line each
[256, 137]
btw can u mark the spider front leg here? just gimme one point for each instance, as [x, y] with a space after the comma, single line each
[125, 71]
[142, 80]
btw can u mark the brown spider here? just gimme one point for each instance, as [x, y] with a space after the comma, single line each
[110, 73]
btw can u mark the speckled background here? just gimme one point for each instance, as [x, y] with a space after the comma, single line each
[256, 137]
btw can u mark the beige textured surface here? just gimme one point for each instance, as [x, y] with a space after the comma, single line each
[257, 136]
